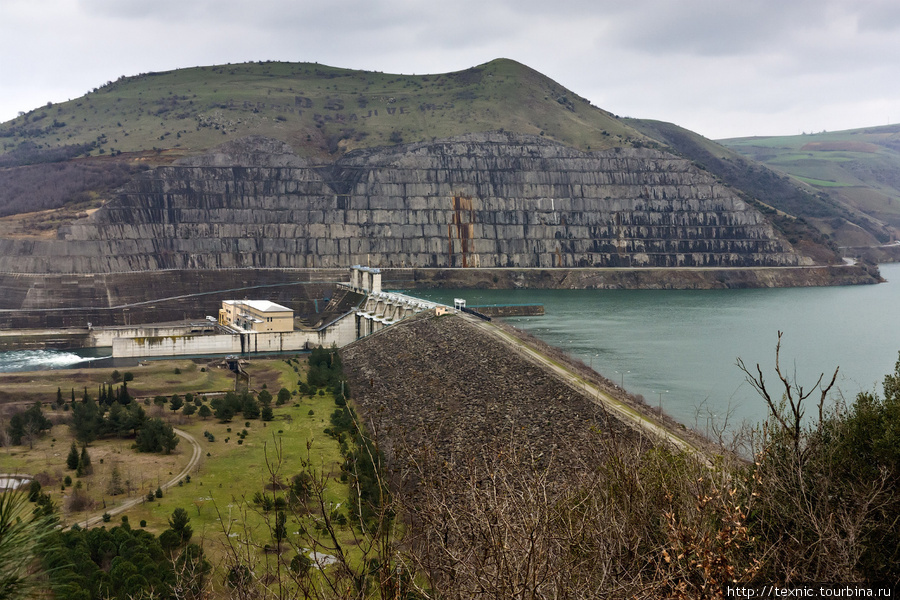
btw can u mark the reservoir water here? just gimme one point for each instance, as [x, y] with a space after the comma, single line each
[679, 348]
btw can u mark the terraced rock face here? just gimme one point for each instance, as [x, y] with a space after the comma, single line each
[481, 200]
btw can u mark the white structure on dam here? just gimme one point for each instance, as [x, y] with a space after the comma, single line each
[375, 311]
[386, 308]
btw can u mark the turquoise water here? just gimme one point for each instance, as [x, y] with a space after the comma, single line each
[679, 348]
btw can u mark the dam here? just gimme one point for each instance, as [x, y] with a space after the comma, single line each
[356, 309]
[343, 312]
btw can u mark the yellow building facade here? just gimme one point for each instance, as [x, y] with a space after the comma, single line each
[256, 315]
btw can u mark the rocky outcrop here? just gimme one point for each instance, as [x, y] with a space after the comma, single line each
[631, 279]
[481, 200]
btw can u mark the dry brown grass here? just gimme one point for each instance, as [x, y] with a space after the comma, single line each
[155, 378]
[140, 473]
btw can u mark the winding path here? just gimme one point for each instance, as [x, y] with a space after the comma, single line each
[132, 502]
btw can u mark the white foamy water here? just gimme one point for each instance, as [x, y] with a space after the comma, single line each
[41, 360]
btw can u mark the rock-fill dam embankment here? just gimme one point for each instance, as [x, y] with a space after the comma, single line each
[438, 383]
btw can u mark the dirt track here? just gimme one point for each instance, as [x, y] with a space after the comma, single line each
[97, 519]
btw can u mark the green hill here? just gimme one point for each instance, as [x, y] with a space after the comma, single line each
[318, 110]
[67, 159]
[858, 169]
[798, 209]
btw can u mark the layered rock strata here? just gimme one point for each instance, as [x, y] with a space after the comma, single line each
[481, 200]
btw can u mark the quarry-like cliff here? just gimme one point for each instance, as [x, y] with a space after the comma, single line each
[479, 200]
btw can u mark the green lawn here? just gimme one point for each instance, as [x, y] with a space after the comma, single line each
[219, 495]
[821, 182]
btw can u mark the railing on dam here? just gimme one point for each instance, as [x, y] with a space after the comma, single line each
[381, 309]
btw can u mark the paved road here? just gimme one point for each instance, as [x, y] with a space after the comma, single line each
[131, 503]
[621, 409]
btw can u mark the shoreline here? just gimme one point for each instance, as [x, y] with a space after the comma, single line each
[54, 301]
[692, 440]
[650, 278]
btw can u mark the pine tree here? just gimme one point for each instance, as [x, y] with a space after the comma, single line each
[72, 459]
[115, 482]
[24, 533]
[250, 407]
[84, 461]
[86, 420]
[124, 397]
[264, 397]
[284, 396]
[179, 522]
[280, 531]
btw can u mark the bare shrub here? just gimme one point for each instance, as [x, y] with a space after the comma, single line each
[823, 491]
[45, 478]
[79, 501]
[626, 520]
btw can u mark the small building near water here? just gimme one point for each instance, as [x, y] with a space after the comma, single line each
[260, 316]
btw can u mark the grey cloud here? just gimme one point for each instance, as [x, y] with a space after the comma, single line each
[715, 65]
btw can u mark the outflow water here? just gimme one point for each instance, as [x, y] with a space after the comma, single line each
[42, 360]
[679, 348]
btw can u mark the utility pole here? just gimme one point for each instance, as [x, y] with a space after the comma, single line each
[660, 401]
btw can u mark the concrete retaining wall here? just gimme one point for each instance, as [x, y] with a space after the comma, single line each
[105, 336]
[511, 310]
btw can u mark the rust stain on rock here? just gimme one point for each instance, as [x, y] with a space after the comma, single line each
[463, 221]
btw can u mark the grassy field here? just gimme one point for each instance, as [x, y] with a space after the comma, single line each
[219, 496]
[151, 379]
[859, 168]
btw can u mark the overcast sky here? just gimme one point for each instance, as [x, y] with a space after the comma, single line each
[723, 68]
